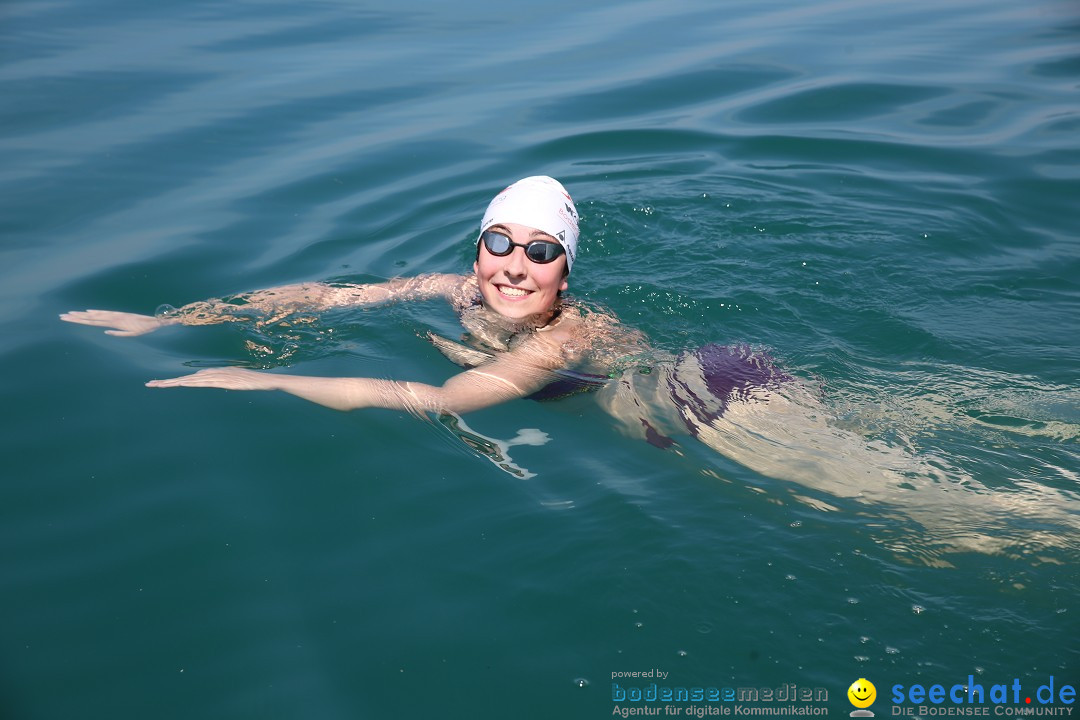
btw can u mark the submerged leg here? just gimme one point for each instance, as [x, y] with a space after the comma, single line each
[737, 402]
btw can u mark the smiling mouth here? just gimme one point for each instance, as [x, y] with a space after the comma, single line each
[513, 292]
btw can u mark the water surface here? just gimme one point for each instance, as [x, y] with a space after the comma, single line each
[882, 195]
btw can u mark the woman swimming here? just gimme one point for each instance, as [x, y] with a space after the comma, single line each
[524, 339]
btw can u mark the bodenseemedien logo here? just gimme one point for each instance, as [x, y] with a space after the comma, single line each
[862, 694]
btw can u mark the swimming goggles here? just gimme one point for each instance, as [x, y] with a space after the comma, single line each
[539, 251]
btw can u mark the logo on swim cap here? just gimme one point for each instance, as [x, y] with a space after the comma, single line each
[539, 202]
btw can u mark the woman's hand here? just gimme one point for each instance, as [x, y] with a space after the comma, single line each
[226, 378]
[123, 324]
[336, 393]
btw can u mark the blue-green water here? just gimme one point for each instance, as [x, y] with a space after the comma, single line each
[882, 194]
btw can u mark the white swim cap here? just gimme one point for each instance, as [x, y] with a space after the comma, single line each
[539, 202]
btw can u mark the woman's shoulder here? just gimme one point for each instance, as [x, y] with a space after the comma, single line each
[593, 335]
[586, 317]
[462, 291]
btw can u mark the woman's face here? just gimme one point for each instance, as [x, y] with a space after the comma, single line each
[513, 285]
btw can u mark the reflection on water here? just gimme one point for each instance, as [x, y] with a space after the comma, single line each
[495, 450]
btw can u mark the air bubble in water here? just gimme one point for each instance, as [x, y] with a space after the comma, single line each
[164, 311]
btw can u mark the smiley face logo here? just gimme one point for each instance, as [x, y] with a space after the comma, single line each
[862, 693]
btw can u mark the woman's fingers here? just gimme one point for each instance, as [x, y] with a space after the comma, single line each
[169, 382]
[230, 378]
[122, 324]
[204, 378]
[87, 317]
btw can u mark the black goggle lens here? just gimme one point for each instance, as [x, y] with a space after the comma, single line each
[539, 251]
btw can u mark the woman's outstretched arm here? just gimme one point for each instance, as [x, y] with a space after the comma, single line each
[512, 375]
[273, 304]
